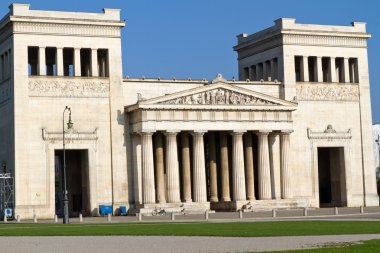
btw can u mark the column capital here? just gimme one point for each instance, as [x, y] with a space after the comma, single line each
[264, 132]
[145, 133]
[233, 133]
[286, 132]
[168, 133]
[200, 132]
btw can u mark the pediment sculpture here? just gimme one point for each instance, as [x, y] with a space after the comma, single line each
[219, 96]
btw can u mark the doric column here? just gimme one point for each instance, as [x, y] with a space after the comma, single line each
[149, 195]
[265, 71]
[5, 72]
[319, 70]
[94, 62]
[59, 61]
[2, 77]
[225, 177]
[264, 167]
[160, 176]
[77, 64]
[346, 70]
[213, 168]
[275, 164]
[285, 170]
[273, 68]
[172, 171]
[305, 69]
[332, 70]
[199, 171]
[259, 72]
[238, 176]
[42, 62]
[186, 177]
[248, 161]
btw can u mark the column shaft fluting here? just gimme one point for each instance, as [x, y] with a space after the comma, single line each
[225, 177]
[160, 176]
[285, 171]
[199, 171]
[149, 195]
[248, 161]
[172, 171]
[264, 167]
[186, 176]
[238, 176]
[213, 168]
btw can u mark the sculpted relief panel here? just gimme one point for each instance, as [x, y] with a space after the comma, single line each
[328, 92]
[219, 96]
[53, 87]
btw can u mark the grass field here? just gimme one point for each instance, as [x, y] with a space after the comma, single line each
[230, 229]
[372, 246]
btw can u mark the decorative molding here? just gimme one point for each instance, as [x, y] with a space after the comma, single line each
[67, 29]
[322, 40]
[329, 134]
[328, 92]
[70, 135]
[73, 87]
[219, 96]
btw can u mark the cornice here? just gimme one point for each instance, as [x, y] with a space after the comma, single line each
[67, 29]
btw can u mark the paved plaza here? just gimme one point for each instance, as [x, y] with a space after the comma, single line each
[138, 244]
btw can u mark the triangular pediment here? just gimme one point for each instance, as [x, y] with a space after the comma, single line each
[219, 93]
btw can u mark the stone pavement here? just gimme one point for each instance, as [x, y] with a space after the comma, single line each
[344, 213]
[142, 244]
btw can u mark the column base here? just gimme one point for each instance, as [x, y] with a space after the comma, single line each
[260, 205]
[372, 200]
[188, 207]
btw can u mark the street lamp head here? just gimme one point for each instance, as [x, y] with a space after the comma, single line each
[70, 124]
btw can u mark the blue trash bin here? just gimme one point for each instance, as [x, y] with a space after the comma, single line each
[105, 209]
[123, 210]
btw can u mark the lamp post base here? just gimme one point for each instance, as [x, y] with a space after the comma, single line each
[66, 210]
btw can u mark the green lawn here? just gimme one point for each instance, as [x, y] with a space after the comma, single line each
[372, 246]
[233, 229]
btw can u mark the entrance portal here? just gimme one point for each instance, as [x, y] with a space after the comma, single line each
[331, 177]
[77, 182]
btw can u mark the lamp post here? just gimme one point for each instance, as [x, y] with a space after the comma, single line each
[378, 145]
[65, 197]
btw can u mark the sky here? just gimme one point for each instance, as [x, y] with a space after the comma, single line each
[194, 38]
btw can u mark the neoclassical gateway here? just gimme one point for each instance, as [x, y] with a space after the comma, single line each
[294, 130]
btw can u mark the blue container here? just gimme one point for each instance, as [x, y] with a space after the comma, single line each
[123, 210]
[105, 209]
[8, 212]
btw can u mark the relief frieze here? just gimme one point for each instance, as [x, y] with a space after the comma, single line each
[328, 92]
[75, 87]
[219, 96]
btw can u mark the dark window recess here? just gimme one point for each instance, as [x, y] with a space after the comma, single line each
[312, 62]
[68, 61]
[85, 61]
[51, 61]
[103, 63]
[32, 61]
[297, 67]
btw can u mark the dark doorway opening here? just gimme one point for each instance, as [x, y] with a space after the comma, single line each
[77, 182]
[331, 177]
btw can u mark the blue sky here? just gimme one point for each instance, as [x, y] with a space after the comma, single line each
[195, 38]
